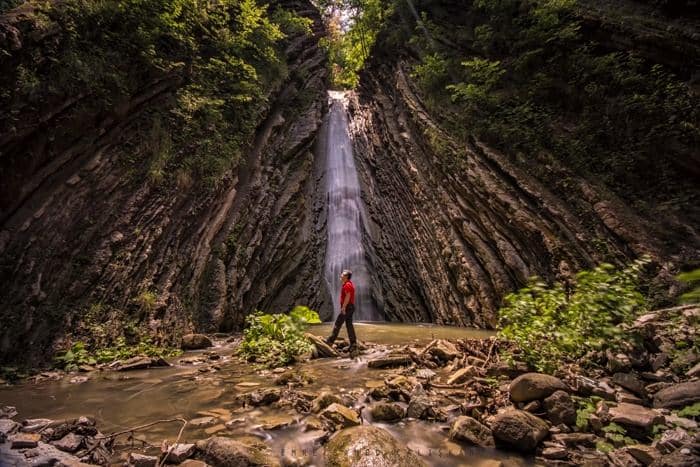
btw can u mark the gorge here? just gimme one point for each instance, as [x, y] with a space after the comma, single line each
[93, 240]
[514, 184]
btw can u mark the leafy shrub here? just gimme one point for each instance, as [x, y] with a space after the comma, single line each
[79, 354]
[276, 340]
[554, 323]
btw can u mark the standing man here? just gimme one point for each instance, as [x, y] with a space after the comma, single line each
[347, 308]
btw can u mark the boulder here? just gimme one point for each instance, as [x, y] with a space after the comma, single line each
[390, 361]
[519, 429]
[368, 445]
[472, 431]
[635, 416]
[560, 408]
[531, 386]
[340, 416]
[678, 395]
[219, 451]
[420, 407]
[387, 412]
[262, 397]
[195, 342]
[324, 400]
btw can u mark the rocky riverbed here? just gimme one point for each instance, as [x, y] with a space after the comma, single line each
[429, 401]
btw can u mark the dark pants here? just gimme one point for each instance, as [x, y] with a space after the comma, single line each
[347, 318]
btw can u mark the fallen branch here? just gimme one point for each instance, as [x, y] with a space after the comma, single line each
[170, 449]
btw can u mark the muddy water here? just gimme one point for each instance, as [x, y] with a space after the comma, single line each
[119, 400]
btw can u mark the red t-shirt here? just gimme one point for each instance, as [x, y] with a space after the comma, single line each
[347, 289]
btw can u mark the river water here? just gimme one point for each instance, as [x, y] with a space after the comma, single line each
[119, 400]
[344, 249]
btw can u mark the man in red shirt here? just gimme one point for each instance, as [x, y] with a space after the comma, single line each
[347, 308]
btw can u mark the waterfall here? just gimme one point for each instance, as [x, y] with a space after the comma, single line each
[344, 248]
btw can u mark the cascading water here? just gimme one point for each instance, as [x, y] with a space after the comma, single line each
[344, 249]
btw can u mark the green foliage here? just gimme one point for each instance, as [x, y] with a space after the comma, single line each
[79, 354]
[277, 340]
[692, 278]
[604, 447]
[583, 413]
[147, 300]
[532, 85]
[617, 434]
[553, 323]
[226, 55]
[692, 410]
[349, 41]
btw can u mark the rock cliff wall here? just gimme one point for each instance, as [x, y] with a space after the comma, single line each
[89, 249]
[452, 226]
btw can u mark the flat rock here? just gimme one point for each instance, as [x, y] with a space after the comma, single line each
[387, 412]
[7, 426]
[644, 454]
[135, 363]
[69, 443]
[622, 458]
[8, 411]
[179, 452]
[275, 422]
[631, 382]
[202, 422]
[368, 446]
[141, 460]
[555, 452]
[444, 350]
[322, 349]
[219, 451]
[390, 361]
[340, 416]
[575, 439]
[324, 400]
[195, 342]
[636, 416]
[462, 375]
[25, 440]
[678, 395]
[471, 431]
[519, 429]
[531, 386]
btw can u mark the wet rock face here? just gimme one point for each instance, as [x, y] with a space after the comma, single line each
[452, 227]
[368, 446]
[82, 236]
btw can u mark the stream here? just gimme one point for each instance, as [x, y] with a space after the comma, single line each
[191, 390]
